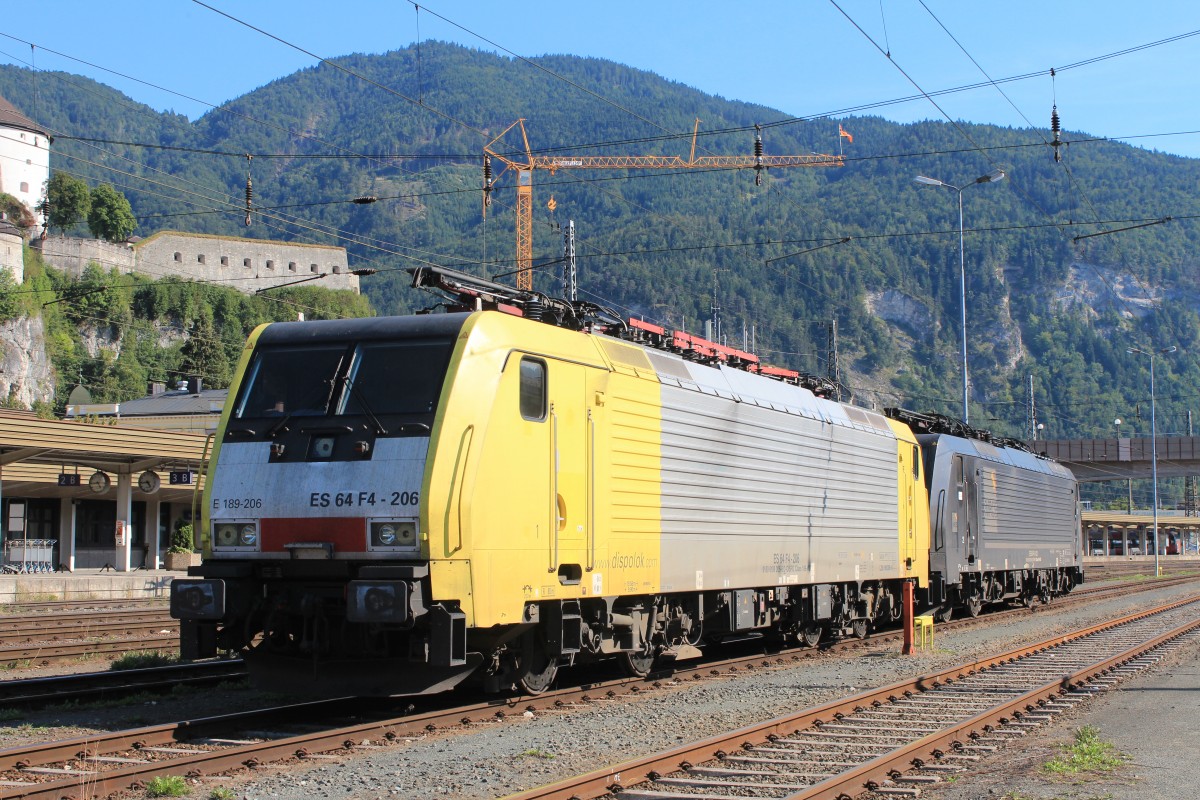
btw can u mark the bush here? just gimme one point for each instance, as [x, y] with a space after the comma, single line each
[181, 540]
[167, 786]
[143, 660]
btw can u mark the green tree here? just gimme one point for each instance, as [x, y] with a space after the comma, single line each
[204, 355]
[10, 306]
[111, 217]
[67, 202]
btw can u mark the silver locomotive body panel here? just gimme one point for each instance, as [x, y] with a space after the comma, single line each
[764, 484]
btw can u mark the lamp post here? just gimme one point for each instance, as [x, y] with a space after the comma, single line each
[991, 177]
[1129, 482]
[1153, 442]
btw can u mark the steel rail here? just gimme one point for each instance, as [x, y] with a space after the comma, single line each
[610, 780]
[76, 619]
[95, 631]
[53, 606]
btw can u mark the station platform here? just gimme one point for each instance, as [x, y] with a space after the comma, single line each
[87, 584]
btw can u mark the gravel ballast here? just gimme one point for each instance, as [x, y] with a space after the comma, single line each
[519, 754]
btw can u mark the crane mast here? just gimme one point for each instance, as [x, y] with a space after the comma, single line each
[524, 172]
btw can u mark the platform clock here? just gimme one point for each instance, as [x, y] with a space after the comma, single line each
[149, 482]
[99, 482]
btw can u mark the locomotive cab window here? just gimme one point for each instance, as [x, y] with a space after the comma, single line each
[294, 381]
[395, 378]
[533, 389]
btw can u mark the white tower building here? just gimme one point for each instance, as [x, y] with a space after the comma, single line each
[24, 161]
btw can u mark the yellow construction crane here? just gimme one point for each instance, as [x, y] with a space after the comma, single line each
[524, 171]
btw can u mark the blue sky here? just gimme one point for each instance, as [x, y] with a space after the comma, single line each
[804, 58]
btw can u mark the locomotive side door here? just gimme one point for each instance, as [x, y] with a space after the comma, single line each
[957, 507]
[971, 510]
[567, 472]
[906, 465]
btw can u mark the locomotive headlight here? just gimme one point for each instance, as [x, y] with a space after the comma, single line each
[235, 534]
[225, 534]
[400, 533]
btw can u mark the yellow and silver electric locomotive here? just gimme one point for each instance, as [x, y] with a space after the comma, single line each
[397, 504]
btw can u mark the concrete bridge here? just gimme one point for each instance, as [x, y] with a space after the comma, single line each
[1121, 459]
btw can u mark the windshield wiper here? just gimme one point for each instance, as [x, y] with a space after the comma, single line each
[278, 427]
[354, 390]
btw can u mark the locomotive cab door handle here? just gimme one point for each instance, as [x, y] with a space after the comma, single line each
[554, 515]
[454, 497]
[591, 492]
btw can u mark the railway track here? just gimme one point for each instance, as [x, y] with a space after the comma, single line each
[82, 625]
[44, 638]
[116, 761]
[51, 606]
[37, 692]
[895, 739]
[45, 654]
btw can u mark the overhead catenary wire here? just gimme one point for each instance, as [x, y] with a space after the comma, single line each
[1055, 143]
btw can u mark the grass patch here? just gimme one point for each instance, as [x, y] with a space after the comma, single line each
[535, 752]
[167, 786]
[144, 660]
[1089, 754]
[222, 793]
[10, 714]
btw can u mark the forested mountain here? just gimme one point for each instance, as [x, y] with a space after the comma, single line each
[656, 243]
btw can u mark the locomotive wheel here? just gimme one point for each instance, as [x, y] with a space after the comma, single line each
[974, 605]
[859, 628]
[536, 669]
[810, 635]
[944, 613]
[637, 665]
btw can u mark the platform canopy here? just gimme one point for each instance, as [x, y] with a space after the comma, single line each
[34, 453]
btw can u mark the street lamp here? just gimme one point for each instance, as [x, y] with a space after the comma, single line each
[1153, 441]
[991, 177]
[1128, 483]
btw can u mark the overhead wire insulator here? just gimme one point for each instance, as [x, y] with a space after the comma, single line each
[249, 189]
[487, 182]
[1056, 129]
[758, 155]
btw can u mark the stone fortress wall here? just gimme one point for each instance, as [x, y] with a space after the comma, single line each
[243, 264]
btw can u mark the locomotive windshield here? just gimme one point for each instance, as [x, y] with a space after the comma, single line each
[375, 378]
[291, 381]
[395, 378]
